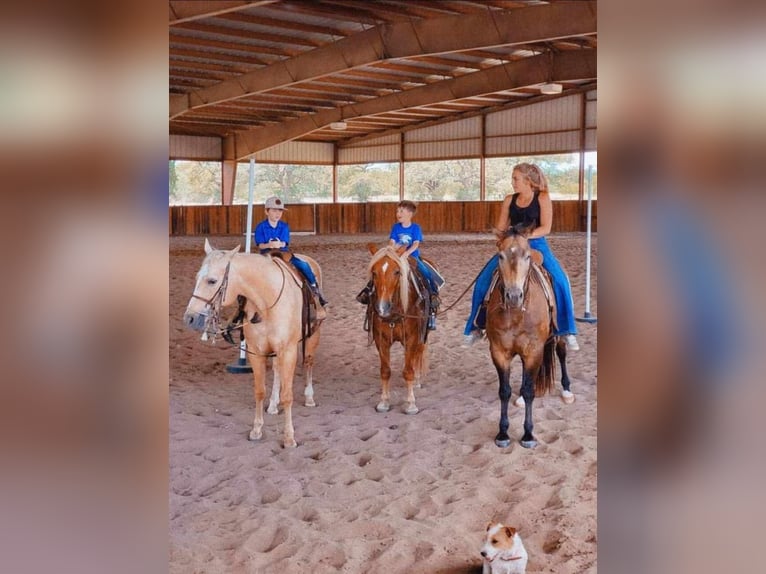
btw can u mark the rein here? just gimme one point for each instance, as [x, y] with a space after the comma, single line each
[449, 307]
[219, 331]
[214, 303]
[281, 289]
[216, 300]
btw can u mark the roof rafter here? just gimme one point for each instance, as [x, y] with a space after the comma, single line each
[185, 11]
[467, 114]
[575, 65]
[400, 40]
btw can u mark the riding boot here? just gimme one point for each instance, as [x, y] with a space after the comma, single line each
[318, 294]
[434, 302]
[364, 295]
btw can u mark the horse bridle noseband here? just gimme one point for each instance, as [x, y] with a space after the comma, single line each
[214, 305]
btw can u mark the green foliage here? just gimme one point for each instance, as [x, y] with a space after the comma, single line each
[199, 183]
[442, 180]
[195, 183]
[292, 183]
[368, 182]
[561, 170]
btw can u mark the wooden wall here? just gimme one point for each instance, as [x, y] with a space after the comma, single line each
[342, 218]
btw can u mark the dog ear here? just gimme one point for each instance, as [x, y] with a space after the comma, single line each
[489, 525]
[510, 531]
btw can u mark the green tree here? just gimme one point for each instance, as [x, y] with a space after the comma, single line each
[366, 182]
[173, 180]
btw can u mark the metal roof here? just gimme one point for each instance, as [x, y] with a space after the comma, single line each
[260, 73]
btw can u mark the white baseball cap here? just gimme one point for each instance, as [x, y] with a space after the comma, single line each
[275, 203]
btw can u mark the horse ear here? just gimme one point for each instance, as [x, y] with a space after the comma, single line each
[524, 229]
[537, 256]
[208, 247]
[372, 248]
[235, 250]
[499, 236]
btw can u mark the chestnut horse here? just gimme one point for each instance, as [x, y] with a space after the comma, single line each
[397, 312]
[521, 321]
[273, 290]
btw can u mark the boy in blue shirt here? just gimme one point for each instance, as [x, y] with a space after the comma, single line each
[273, 233]
[405, 232]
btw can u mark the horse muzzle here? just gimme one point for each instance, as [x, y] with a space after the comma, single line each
[383, 309]
[513, 297]
[195, 321]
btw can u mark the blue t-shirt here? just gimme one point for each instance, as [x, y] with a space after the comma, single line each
[407, 235]
[264, 233]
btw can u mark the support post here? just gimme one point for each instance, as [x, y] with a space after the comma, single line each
[241, 365]
[588, 318]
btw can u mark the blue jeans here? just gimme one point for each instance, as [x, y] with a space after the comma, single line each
[305, 269]
[565, 320]
[425, 270]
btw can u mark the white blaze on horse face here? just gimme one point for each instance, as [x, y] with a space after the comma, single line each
[203, 288]
[385, 266]
[514, 270]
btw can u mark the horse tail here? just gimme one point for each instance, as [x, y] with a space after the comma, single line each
[545, 375]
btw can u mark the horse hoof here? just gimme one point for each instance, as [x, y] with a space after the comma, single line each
[411, 410]
[519, 402]
[529, 443]
[290, 443]
[382, 408]
[503, 442]
[568, 397]
[273, 410]
[310, 403]
[255, 435]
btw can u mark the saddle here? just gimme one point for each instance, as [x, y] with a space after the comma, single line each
[537, 274]
[312, 313]
[431, 300]
[420, 284]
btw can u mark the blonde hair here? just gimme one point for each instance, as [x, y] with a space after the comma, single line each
[534, 174]
[404, 269]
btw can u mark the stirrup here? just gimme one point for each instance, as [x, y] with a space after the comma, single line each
[318, 294]
[364, 296]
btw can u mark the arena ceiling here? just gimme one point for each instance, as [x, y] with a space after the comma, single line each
[264, 72]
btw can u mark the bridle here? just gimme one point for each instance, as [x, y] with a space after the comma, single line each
[215, 301]
[524, 289]
[213, 304]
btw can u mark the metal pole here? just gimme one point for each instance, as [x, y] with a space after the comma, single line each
[588, 318]
[241, 365]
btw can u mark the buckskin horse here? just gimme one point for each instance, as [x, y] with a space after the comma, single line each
[274, 292]
[521, 315]
[398, 311]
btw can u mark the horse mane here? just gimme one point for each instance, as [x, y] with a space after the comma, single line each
[404, 268]
[522, 229]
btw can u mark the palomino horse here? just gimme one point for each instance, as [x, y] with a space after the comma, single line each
[273, 291]
[520, 321]
[397, 312]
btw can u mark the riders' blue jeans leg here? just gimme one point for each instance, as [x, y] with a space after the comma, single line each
[304, 268]
[426, 272]
[565, 319]
[480, 291]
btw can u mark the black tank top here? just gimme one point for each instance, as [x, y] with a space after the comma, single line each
[528, 214]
